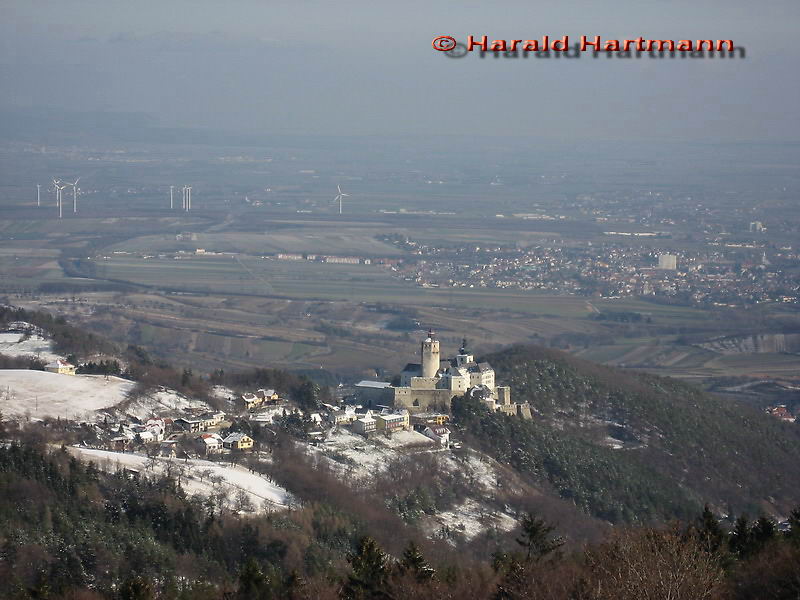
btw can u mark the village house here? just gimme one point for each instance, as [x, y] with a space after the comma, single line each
[269, 395]
[251, 401]
[190, 424]
[344, 416]
[238, 441]
[208, 443]
[212, 419]
[392, 421]
[120, 443]
[364, 425]
[430, 418]
[143, 435]
[157, 427]
[167, 448]
[61, 367]
[438, 433]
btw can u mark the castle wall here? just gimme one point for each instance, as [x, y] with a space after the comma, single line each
[421, 400]
[424, 383]
[503, 394]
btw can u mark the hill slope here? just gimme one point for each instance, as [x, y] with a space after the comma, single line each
[634, 447]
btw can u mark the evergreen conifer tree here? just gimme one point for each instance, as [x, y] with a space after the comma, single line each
[413, 562]
[536, 538]
[709, 532]
[370, 576]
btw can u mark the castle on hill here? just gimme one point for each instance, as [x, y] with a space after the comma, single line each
[433, 382]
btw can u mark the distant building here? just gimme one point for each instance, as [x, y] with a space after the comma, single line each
[430, 418]
[438, 433]
[372, 393]
[61, 367]
[781, 412]
[212, 419]
[757, 227]
[392, 421]
[238, 441]
[341, 260]
[269, 395]
[252, 401]
[667, 262]
[342, 417]
[365, 425]
[209, 443]
[190, 424]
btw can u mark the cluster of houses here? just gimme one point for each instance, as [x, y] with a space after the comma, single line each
[261, 398]
[194, 434]
[200, 432]
[781, 412]
[385, 420]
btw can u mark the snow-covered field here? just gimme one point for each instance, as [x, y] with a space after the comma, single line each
[263, 494]
[11, 344]
[161, 402]
[45, 394]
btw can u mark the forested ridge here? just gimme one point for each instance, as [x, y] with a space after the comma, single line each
[69, 531]
[677, 447]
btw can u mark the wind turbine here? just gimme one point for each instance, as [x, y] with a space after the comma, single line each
[188, 198]
[74, 194]
[59, 188]
[172, 187]
[38, 194]
[340, 196]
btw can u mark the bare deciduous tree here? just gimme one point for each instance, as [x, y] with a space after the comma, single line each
[653, 565]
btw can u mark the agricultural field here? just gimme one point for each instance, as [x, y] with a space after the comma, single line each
[241, 309]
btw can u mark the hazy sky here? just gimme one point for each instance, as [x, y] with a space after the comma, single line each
[367, 67]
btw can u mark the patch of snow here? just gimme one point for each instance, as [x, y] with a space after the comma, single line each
[45, 394]
[472, 518]
[261, 491]
[404, 439]
[223, 393]
[163, 402]
[361, 457]
[12, 344]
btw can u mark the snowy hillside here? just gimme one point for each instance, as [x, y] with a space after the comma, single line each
[162, 402]
[43, 394]
[13, 344]
[200, 476]
[360, 459]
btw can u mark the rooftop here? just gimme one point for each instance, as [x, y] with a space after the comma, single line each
[373, 384]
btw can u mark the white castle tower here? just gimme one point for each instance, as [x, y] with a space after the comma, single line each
[430, 355]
